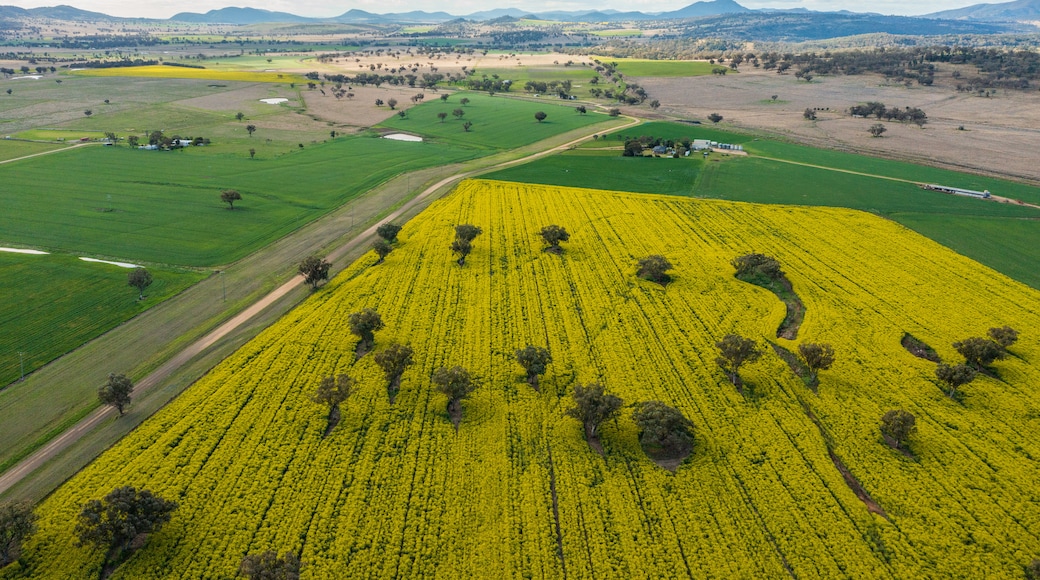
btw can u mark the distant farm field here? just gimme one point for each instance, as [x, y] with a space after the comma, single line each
[54, 303]
[634, 67]
[1002, 236]
[10, 149]
[395, 491]
[181, 72]
[497, 122]
[164, 206]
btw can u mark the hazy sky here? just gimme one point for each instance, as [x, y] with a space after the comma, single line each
[324, 8]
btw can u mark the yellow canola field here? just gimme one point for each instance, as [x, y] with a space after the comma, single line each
[183, 72]
[395, 492]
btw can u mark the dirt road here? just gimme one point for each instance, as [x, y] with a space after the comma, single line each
[77, 145]
[24, 468]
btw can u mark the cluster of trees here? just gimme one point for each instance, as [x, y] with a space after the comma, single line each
[387, 233]
[425, 80]
[979, 353]
[463, 243]
[880, 111]
[664, 432]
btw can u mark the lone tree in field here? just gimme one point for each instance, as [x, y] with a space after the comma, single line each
[239, 116]
[734, 352]
[252, 153]
[230, 196]
[269, 566]
[116, 392]
[461, 247]
[392, 103]
[468, 232]
[809, 114]
[332, 391]
[388, 231]
[654, 104]
[877, 130]
[458, 113]
[1005, 336]
[364, 325]
[581, 109]
[112, 523]
[979, 352]
[394, 360]
[466, 126]
[17, 522]
[663, 431]
[382, 248]
[654, 268]
[534, 359]
[553, 235]
[139, 278]
[817, 357]
[750, 267]
[896, 426]
[457, 384]
[315, 270]
[614, 112]
[540, 116]
[593, 406]
[715, 117]
[250, 129]
[954, 376]
[442, 115]
[464, 101]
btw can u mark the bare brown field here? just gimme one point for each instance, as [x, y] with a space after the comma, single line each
[361, 111]
[999, 134]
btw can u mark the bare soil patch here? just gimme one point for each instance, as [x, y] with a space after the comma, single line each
[361, 110]
[998, 138]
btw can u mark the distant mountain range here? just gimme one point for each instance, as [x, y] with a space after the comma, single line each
[1018, 10]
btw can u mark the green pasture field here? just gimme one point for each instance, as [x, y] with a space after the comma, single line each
[634, 67]
[617, 33]
[54, 303]
[255, 63]
[164, 206]
[1005, 237]
[59, 135]
[498, 122]
[12, 149]
[577, 74]
[607, 170]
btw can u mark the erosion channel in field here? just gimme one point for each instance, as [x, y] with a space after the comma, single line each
[783, 289]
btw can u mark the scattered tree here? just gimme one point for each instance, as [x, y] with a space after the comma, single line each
[979, 352]
[458, 113]
[896, 426]
[17, 522]
[468, 232]
[466, 126]
[388, 231]
[139, 278]
[581, 109]
[553, 235]
[954, 377]
[754, 267]
[540, 116]
[456, 383]
[444, 97]
[332, 391]
[315, 270]
[133, 140]
[394, 360]
[715, 117]
[809, 114]
[817, 357]
[734, 352]
[464, 101]
[462, 247]
[593, 406]
[663, 430]
[614, 112]
[112, 523]
[230, 196]
[269, 566]
[250, 129]
[534, 359]
[1005, 336]
[877, 129]
[88, 112]
[654, 104]
[633, 148]
[239, 116]
[402, 114]
[364, 325]
[252, 153]
[392, 103]
[654, 268]
[379, 102]
[382, 248]
[116, 392]
[111, 137]
[442, 115]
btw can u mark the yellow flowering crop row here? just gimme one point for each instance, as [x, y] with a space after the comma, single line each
[395, 492]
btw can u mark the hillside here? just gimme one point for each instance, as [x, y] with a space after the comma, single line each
[395, 491]
[1017, 10]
